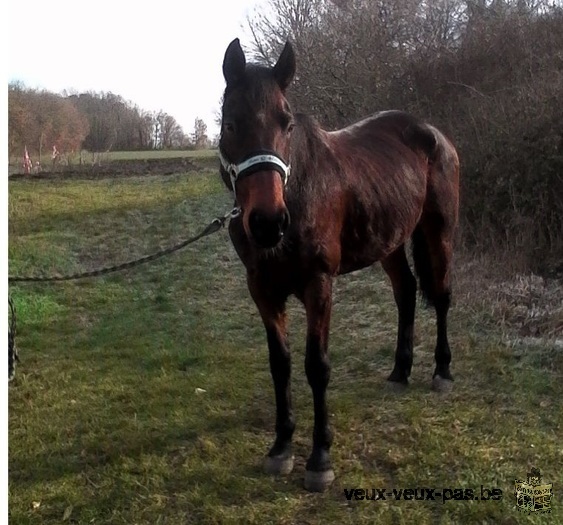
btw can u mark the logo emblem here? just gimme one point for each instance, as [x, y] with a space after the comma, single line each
[533, 495]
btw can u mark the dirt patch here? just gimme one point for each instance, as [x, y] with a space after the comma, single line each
[121, 168]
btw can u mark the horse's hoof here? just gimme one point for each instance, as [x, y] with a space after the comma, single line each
[440, 384]
[396, 386]
[318, 481]
[278, 465]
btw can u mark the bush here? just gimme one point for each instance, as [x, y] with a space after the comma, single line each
[490, 74]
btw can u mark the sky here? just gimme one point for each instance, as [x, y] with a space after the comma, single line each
[165, 54]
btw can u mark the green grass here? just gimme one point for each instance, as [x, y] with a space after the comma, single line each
[107, 425]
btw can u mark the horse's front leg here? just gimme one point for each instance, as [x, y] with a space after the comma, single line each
[272, 309]
[318, 305]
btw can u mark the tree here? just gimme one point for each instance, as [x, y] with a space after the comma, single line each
[144, 126]
[40, 120]
[199, 135]
[102, 117]
[97, 122]
[170, 132]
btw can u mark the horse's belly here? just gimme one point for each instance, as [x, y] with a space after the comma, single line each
[371, 233]
[357, 257]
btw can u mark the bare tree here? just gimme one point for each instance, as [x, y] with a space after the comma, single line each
[170, 132]
[40, 119]
[200, 139]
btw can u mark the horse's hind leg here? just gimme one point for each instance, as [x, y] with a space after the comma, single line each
[404, 290]
[280, 458]
[432, 253]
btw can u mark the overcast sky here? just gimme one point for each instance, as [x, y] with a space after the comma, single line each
[159, 55]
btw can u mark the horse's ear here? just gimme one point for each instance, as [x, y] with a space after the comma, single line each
[234, 62]
[284, 70]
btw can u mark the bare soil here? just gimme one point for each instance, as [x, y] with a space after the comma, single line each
[121, 168]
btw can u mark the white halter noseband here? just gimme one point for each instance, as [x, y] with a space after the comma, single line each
[259, 161]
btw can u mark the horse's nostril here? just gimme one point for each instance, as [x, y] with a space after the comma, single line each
[285, 221]
[267, 230]
[255, 220]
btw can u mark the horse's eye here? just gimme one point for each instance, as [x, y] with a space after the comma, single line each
[229, 127]
[285, 120]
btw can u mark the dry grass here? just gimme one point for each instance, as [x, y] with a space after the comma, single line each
[521, 304]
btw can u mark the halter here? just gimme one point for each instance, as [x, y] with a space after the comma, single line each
[261, 160]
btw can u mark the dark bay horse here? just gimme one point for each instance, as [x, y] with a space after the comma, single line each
[316, 204]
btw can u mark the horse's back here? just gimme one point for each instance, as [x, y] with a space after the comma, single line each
[384, 162]
[361, 191]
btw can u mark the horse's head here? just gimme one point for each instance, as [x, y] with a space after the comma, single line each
[254, 145]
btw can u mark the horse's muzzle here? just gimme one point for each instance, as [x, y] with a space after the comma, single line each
[268, 230]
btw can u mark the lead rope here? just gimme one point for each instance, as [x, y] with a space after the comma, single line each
[214, 226]
[13, 357]
[12, 349]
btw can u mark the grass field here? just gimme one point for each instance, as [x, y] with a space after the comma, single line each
[145, 398]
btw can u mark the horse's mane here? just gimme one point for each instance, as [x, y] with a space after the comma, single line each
[308, 145]
[312, 161]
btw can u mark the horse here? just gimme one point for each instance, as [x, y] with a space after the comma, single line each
[315, 204]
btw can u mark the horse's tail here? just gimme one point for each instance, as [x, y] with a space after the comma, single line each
[423, 265]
